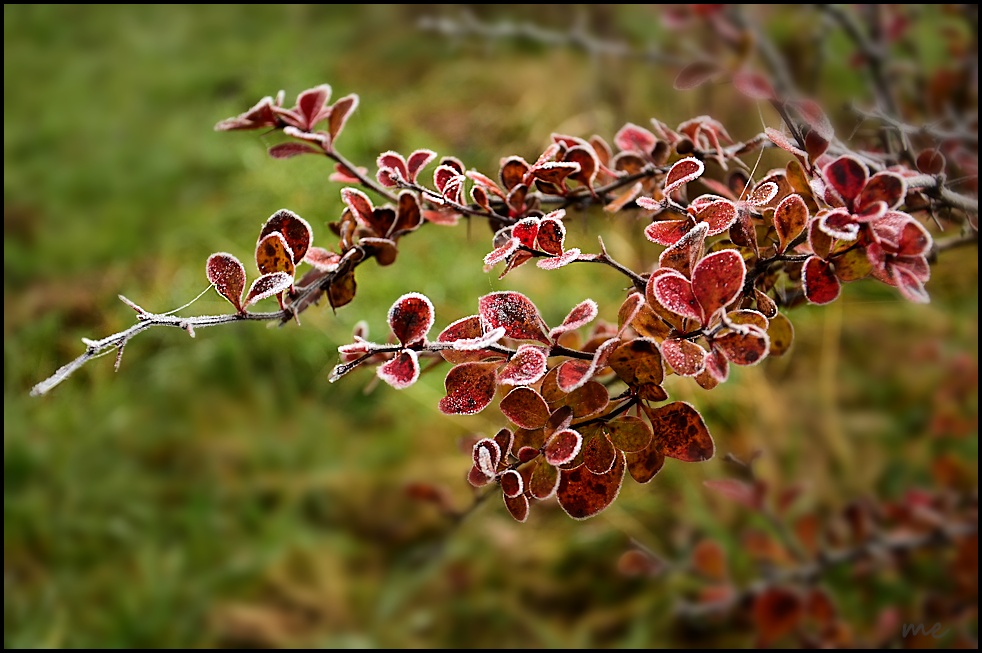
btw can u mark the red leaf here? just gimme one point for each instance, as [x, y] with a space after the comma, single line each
[402, 371]
[562, 447]
[575, 373]
[684, 171]
[487, 456]
[776, 613]
[685, 253]
[469, 340]
[762, 194]
[667, 232]
[680, 432]
[525, 408]
[525, 231]
[753, 85]
[229, 276]
[361, 207]
[512, 484]
[552, 233]
[629, 310]
[709, 559]
[502, 253]
[736, 490]
[790, 219]
[821, 286]
[340, 112]
[636, 138]
[887, 187]
[811, 112]
[290, 150]
[685, 357]
[273, 254]
[417, 161]
[408, 215]
[584, 156]
[477, 477]
[518, 507]
[719, 215]
[696, 74]
[294, 229]
[266, 286]
[581, 315]
[717, 280]
[513, 171]
[743, 348]
[556, 262]
[847, 176]
[544, 481]
[675, 293]
[411, 318]
[515, 313]
[527, 366]
[583, 494]
[311, 102]
[470, 388]
[782, 141]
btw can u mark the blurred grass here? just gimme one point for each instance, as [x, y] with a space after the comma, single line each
[219, 491]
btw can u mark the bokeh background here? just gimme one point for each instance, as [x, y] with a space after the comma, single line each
[219, 491]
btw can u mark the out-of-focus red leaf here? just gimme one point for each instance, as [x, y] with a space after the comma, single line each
[753, 85]
[736, 490]
[781, 334]
[290, 150]
[776, 613]
[783, 142]
[696, 74]
[633, 137]
[340, 112]
[709, 560]
[635, 563]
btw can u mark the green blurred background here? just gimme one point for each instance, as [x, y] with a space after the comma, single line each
[219, 491]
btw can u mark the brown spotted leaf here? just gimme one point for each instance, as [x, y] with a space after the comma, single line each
[685, 357]
[638, 362]
[273, 254]
[470, 388]
[342, 290]
[583, 494]
[680, 432]
[790, 219]
[525, 407]
[736, 490]
[628, 433]
[295, 231]
[515, 313]
[781, 334]
[598, 452]
[229, 276]
[411, 318]
[645, 464]
[743, 348]
[589, 399]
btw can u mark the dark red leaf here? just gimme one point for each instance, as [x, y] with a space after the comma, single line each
[311, 102]
[487, 456]
[588, 399]
[632, 137]
[847, 176]
[402, 371]
[470, 388]
[583, 494]
[477, 477]
[717, 280]
[361, 207]
[667, 232]
[513, 171]
[753, 85]
[408, 215]
[417, 161]
[931, 162]
[681, 433]
[554, 173]
[552, 233]
[685, 357]
[743, 348]
[645, 464]
[266, 286]
[811, 112]
[581, 315]
[469, 341]
[515, 313]
[504, 439]
[820, 283]
[887, 187]
[294, 229]
[512, 484]
[675, 293]
[527, 366]
[411, 318]
[229, 276]
[525, 407]
[575, 373]
[518, 507]
[598, 452]
[629, 310]
[684, 171]
[562, 447]
[684, 254]
[584, 156]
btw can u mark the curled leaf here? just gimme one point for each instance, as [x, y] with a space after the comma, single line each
[581, 315]
[401, 371]
[562, 447]
[266, 286]
[527, 366]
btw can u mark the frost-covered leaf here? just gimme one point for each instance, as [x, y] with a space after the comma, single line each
[762, 193]
[887, 187]
[470, 388]
[401, 371]
[575, 373]
[584, 156]
[581, 315]
[667, 232]
[527, 366]
[418, 160]
[487, 455]
[342, 290]
[311, 104]
[820, 283]
[525, 231]
[783, 142]
[562, 447]
[525, 408]
[469, 340]
[552, 233]
[266, 286]
[681, 433]
[502, 253]
[628, 433]
[811, 112]
[512, 172]
[229, 276]
[273, 254]
[512, 484]
[638, 362]
[743, 348]
[629, 310]
[359, 204]
[790, 219]
[598, 452]
[719, 215]
[383, 250]
[477, 477]
[409, 215]
[685, 357]
[819, 241]
[589, 399]
[839, 223]
[675, 293]
[583, 494]
[554, 172]
[518, 507]
[411, 317]
[684, 171]
[633, 137]
[340, 112]
[684, 254]
[717, 280]
[556, 262]
[295, 231]
[847, 176]
[781, 334]
[696, 74]
[322, 259]
[717, 370]
[515, 313]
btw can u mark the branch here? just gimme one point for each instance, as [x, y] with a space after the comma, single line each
[945, 194]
